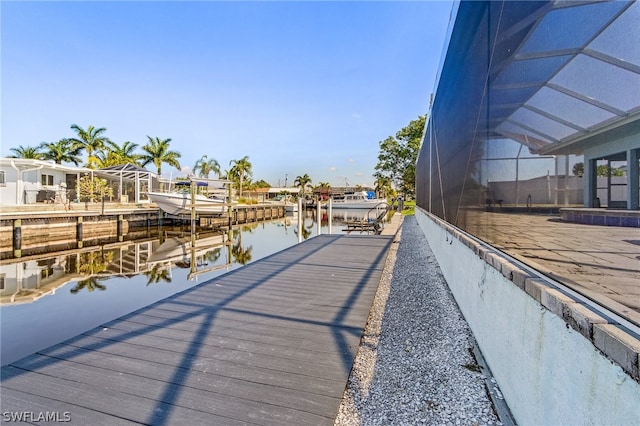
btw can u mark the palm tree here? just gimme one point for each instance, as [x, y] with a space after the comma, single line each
[26, 152]
[157, 152]
[239, 169]
[63, 151]
[113, 154]
[383, 186]
[302, 182]
[206, 166]
[91, 140]
[324, 189]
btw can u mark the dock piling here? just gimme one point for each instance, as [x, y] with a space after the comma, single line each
[17, 238]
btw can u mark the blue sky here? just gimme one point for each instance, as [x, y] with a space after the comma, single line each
[299, 87]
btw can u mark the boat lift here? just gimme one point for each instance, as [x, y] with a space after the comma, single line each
[373, 223]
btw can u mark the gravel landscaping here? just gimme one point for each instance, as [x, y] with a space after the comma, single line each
[415, 364]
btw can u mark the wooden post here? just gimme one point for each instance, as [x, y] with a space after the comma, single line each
[193, 208]
[119, 227]
[79, 231]
[330, 213]
[229, 206]
[299, 221]
[318, 215]
[17, 238]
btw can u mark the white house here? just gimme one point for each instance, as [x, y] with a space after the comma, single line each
[27, 181]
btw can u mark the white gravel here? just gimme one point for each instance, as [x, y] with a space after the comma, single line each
[415, 362]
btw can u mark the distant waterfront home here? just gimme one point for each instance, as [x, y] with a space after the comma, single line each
[268, 194]
[26, 181]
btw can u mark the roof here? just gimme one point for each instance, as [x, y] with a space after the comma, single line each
[560, 72]
[28, 163]
[126, 171]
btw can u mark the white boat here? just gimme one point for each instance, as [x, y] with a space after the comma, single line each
[178, 249]
[290, 205]
[356, 200]
[179, 203]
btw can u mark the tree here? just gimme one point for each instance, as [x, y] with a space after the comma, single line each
[206, 166]
[302, 182]
[239, 169]
[262, 184]
[63, 151]
[602, 170]
[113, 154]
[157, 152]
[91, 188]
[578, 169]
[30, 152]
[91, 140]
[383, 187]
[398, 155]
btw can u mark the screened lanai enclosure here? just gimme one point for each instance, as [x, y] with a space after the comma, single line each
[130, 183]
[537, 105]
[533, 139]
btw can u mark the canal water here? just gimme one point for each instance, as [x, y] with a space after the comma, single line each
[49, 298]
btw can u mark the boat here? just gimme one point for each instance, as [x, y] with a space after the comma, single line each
[179, 249]
[290, 205]
[356, 200]
[179, 203]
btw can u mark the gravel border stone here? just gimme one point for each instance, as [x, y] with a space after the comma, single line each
[415, 364]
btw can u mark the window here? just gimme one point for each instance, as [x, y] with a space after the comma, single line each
[3, 182]
[46, 179]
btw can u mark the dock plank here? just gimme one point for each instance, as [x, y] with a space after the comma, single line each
[270, 343]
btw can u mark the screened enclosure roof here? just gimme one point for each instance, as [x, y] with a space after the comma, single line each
[559, 73]
[126, 171]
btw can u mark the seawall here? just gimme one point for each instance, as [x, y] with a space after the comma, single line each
[555, 360]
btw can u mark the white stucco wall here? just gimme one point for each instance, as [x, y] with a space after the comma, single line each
[548, 372]
[22, 187]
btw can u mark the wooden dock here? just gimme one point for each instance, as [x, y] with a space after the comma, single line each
[270, 343]
[24, 233]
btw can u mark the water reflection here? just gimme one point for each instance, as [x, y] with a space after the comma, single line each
[108, 281]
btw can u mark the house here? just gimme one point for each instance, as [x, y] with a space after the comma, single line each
[27, 181]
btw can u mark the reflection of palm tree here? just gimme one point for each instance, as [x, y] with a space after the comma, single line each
[213, 255]
[95, 262]
[90, 284]
[240, 254]
[306, 230]
[158, 273]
